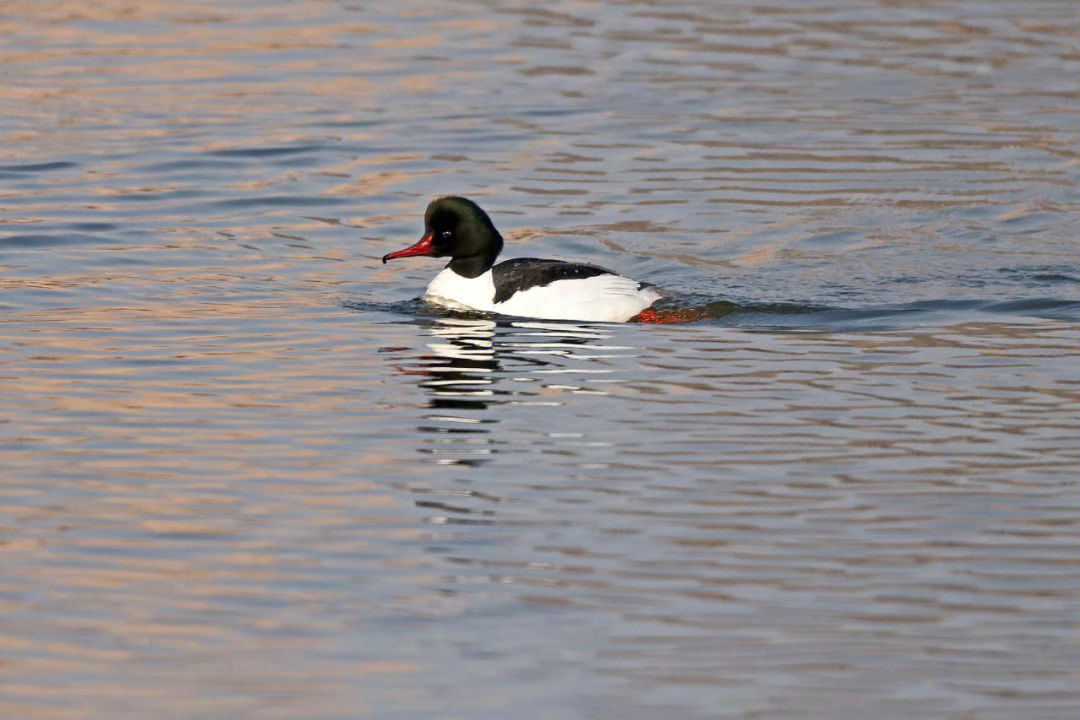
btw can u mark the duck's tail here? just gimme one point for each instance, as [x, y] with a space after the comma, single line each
[670, 315]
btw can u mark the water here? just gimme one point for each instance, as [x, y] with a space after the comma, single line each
[246, 474]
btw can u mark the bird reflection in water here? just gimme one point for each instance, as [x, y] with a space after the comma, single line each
[476, 370]
[462, 367]
[472, 360]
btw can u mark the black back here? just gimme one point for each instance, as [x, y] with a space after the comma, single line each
[524, 273]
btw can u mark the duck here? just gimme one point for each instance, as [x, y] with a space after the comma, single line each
[544, 289]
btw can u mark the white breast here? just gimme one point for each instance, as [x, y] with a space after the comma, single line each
[450, 289]
[601, 298]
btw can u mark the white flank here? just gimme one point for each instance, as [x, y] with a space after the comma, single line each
[601, 298]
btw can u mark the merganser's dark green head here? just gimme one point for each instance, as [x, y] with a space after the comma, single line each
[457, 228]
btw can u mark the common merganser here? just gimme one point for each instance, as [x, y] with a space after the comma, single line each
[457, 228]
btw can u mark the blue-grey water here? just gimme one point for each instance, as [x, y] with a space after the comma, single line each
[245, 474]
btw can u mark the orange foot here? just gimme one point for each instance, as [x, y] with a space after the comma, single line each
[669, 315]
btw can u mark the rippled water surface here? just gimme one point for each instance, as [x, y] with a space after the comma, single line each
[246, 474]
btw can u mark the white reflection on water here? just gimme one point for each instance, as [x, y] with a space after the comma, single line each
[475, 363]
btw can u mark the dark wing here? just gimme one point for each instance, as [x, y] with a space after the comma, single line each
[519, 274]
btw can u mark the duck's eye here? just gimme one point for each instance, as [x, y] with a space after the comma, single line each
[447, 234]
